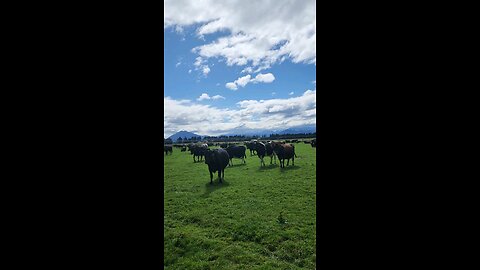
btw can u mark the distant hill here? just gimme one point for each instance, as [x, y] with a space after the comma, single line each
[267, 132]
[183, 134]
[300, 129]
[251, 132]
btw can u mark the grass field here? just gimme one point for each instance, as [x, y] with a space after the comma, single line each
[258, 218]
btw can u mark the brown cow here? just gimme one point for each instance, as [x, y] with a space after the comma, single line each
[284, 151]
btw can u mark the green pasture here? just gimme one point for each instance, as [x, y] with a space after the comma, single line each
[258, 218]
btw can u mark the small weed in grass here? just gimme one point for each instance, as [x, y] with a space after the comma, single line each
[281, 219]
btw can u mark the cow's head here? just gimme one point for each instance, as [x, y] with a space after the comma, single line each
[209, 157]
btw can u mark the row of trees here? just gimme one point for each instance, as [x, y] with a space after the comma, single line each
[241, 138]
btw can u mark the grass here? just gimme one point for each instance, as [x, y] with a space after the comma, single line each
[258, 218]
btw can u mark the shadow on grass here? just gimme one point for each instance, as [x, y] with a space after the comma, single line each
[289, 168]
[268, 167]
[209, 188]
[237, 165]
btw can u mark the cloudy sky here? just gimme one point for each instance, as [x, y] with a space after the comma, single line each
[234, 65]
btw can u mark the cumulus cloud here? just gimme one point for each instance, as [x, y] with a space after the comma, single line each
[203, 96]
[243, 81]
[265, 78]
[249, 114]
[231, 86]
[268, 33]
[206, 96]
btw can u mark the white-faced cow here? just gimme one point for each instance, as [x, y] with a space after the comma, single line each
[265, 150]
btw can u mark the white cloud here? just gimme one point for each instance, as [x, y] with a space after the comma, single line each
[205, 70]
[189, 71]
[291, 93]
[179, 29]
[206, 96]
[203, 96]
[274, 93]
[261, 35]
[314, 82]
[231, 86]
[265, 78]
[243, 81]
[217, 97]
[247, 70]
[178, 64]
[250, 114]
[200, 64]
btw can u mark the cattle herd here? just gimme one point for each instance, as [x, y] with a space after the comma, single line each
[218, 159]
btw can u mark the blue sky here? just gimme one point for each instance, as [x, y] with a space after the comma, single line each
[225, 72]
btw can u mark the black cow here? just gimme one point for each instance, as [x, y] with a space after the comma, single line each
[284, 151]
[184, 148]
[252, 147]
[265, 150]
[217, 160]
[235, 151]
[314, 143]
[198, 151]
[168, 148]
[223, 145]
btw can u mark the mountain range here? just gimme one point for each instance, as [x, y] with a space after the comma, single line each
[251, 132]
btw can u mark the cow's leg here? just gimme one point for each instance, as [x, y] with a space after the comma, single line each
[220, 175]
[288, 161]
[293, 160]
[211, 177]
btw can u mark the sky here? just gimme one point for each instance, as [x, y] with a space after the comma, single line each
[232, 66]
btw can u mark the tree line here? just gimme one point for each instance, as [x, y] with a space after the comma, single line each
[240, 138]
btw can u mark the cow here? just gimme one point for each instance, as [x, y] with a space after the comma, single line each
[223, 145]
[168, 148]
[284, 151]
[306, 142]
[314, 143]
[198, 150]
[265, 150]
[184, 148]
[251, 146]
[235, 151]
[217, 160]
